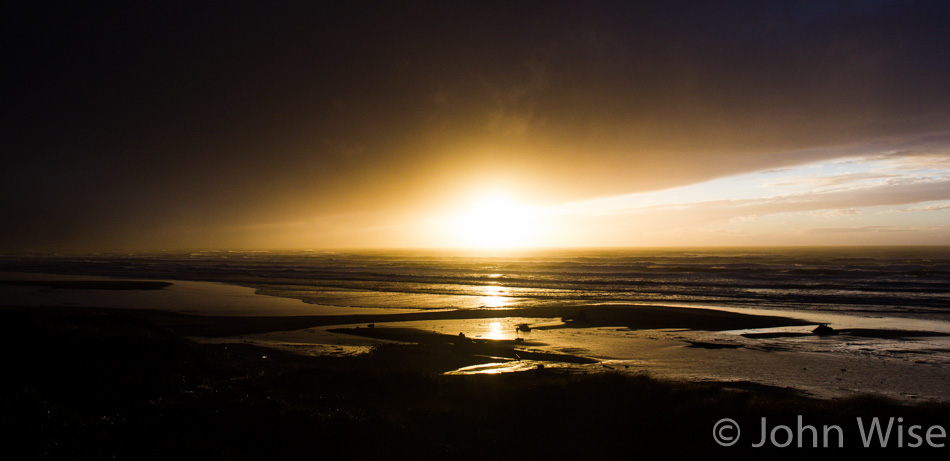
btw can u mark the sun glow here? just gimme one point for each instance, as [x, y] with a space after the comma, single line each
[497, 222]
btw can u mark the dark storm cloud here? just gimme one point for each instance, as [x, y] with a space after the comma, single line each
[124, 118]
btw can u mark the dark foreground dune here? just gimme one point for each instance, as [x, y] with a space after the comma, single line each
[98, 384]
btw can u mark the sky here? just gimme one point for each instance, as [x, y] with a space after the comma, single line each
[292, 125]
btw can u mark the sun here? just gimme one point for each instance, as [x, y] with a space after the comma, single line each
[496, 221]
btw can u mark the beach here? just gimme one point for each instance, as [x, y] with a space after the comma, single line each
[145, 355]
[902, 359]
[475, 230]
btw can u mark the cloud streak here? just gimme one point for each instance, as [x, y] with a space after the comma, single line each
[859, 198]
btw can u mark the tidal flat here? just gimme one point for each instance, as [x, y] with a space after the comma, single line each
[116, 368]
[94, 383]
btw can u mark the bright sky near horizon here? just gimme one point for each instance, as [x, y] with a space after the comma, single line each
[344, 124]
[893, 198]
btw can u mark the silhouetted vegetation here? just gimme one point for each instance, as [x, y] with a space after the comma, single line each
[96, 384]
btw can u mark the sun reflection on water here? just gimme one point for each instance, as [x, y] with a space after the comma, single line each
[494, 331]
[493, 296]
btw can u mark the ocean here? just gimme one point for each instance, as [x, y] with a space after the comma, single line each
[912, 282]
[893, 303]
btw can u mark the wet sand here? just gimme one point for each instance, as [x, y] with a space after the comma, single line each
[686, 343]
[130, 382]
[185, 297]
[88, 383]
